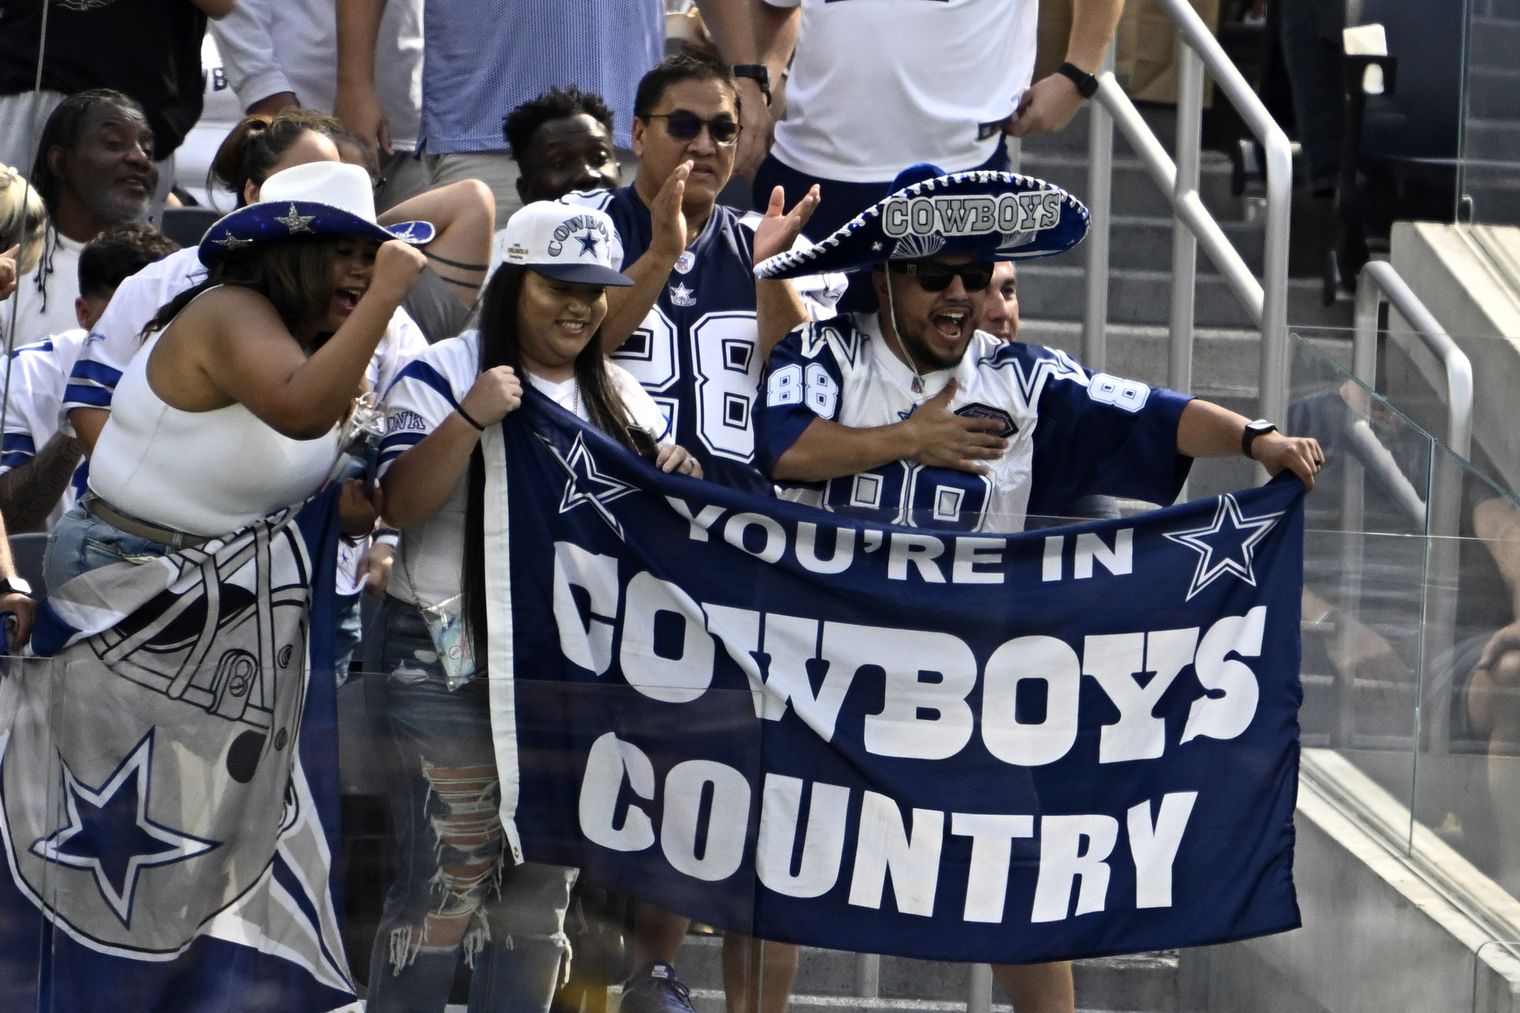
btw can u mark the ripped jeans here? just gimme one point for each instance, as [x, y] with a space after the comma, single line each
[457, 895]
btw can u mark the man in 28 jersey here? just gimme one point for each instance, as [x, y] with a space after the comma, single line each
[696, 326]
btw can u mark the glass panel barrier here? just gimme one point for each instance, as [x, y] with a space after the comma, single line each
[1490, 132]
[183, 853]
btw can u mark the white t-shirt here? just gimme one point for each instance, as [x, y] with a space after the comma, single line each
[50, 309]
[38, 372]
[877, 85]
[270, 46]
[429, 560]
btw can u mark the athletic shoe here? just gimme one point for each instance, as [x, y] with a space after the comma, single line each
[655, 988]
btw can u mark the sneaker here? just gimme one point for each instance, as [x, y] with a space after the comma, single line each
[655, 988]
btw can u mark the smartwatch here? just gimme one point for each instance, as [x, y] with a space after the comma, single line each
[1260, 427]
[757, 72]
[1087, 84]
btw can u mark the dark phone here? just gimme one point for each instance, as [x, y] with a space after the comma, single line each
[643, 442]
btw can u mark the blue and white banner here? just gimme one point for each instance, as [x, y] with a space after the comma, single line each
[169, 784]
[1063, 743]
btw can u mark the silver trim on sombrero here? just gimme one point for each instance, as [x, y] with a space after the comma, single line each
[771, 266]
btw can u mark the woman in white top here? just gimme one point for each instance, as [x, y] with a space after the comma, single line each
[457, 894]
[230, 410]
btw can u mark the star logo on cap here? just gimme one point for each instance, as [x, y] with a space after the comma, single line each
[230, 243]
[1225, 546]
[588, 241]
[296, 222]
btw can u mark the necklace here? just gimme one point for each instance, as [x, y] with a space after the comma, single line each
[916, 385]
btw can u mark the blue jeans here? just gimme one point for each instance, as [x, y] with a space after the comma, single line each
[457, 893]
[82, 542]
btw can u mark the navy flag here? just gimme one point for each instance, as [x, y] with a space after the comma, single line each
[1063, 743]
[169, 782]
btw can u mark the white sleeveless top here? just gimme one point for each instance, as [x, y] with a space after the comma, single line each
[206, 473]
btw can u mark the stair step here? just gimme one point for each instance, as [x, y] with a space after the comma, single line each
[1133, 191]
[711, 1001]
[1055, 290]
[827, 979]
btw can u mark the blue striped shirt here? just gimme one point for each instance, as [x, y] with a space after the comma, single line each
[481, 60]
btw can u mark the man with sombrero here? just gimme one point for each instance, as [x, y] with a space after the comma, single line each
[910, 415]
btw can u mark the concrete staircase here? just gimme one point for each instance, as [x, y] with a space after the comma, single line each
[1226, 349]
[1491, 129]
[828, 981]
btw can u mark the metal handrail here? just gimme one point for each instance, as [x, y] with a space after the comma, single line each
[1380, 282]
[1266, 300]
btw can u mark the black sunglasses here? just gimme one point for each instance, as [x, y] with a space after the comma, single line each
[935, 276]
[684, 125]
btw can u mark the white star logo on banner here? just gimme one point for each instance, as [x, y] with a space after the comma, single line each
[588, 485]
[1225, 546]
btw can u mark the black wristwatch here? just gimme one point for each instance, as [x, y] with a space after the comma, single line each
[757, 72]
[15, 585]
[1260, 427]
[1087, 84]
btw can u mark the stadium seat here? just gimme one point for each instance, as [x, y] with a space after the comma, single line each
[187, 225]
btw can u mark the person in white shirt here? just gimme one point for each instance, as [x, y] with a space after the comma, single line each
[281, 54]
[94, 169]
[38, 459]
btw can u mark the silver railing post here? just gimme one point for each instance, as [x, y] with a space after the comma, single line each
[1443, 517]
[1179, 370]
[1100, 185]
[980, 998]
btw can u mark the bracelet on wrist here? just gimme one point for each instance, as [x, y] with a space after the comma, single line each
[466, 416]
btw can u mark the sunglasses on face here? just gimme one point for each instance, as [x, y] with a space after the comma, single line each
[934, 276]
[683, 125]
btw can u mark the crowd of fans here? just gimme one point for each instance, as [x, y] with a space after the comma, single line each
[363, 255]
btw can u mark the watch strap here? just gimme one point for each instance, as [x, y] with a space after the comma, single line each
[757, 72]
[1087, 84]
[1259, 427]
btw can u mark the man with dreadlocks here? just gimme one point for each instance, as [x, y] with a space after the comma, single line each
[94, 170]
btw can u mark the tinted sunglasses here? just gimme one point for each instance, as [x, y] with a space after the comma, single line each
[934, 276]
[684, 125]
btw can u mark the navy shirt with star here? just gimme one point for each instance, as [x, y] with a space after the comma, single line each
[697, 351]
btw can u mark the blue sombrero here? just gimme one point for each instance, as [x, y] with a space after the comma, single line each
[993, 215]
[315, 199]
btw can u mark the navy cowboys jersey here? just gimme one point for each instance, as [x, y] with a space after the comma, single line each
[1069, 434]
[697, 351]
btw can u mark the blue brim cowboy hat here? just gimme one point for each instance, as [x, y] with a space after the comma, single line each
[990, 215]
[318, 199]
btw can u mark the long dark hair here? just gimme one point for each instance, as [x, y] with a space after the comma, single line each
[499, 347]
[293, 274]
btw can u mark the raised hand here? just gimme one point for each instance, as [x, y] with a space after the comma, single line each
[777, 232]
[666, 217]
